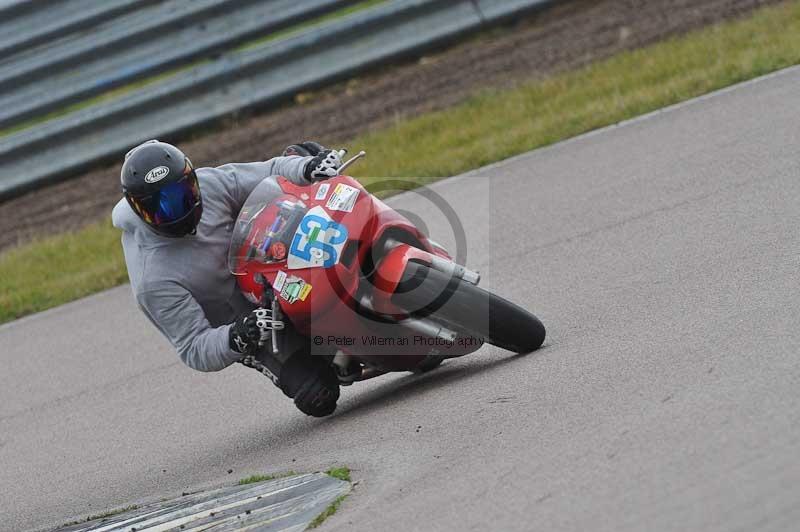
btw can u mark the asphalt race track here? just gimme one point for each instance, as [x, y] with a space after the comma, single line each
[661, 254]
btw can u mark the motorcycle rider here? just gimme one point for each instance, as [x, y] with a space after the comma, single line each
[176, 226]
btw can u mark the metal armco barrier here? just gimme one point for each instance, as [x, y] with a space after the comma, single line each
[265, 74]
[286, 504]
[31, 23]
[135, 46]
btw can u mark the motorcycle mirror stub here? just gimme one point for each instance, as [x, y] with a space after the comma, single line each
[356, 157]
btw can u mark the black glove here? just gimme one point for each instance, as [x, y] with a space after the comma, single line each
[251, 330]
[308, 148]
[324, 165]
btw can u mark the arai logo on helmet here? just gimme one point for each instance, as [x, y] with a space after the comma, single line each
[156, 174]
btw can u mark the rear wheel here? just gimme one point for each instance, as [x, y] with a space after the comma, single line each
[425, 292]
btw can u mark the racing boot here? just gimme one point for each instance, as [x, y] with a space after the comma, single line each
[308, 379]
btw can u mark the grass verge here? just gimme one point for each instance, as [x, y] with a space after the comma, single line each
[329, 511]
[489, 127]
[62, 268]
[342, 473]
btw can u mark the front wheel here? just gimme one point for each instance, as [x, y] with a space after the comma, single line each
[429, 364]
[430, 293]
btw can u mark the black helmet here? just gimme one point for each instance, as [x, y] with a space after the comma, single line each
[161, 187]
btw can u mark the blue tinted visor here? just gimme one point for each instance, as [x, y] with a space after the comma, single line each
[171, 203]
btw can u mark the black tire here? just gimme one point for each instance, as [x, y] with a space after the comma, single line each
[425, 292]
[429, 364]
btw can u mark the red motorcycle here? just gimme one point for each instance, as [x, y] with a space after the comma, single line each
[363, 283]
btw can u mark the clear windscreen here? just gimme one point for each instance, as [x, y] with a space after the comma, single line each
[265, 227]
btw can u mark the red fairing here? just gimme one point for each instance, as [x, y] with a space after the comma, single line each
[389, 273]
[317, 267]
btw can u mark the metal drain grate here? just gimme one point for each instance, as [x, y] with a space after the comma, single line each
[285, 504]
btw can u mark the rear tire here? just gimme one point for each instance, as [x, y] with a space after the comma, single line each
[425, 292]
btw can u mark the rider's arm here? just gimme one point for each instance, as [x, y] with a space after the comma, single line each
[239, 179]
[179, 317]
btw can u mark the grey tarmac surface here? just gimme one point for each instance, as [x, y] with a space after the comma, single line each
[662, 255]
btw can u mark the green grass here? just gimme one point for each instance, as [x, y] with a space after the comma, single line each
[489, 127]
[263, 478]
[62, 268]
[342, 473]
[329, 511]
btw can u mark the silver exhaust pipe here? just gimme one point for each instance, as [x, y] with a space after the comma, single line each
[443, 265]
[429, 328]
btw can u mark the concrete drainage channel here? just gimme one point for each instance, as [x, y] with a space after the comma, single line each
[284, 504]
